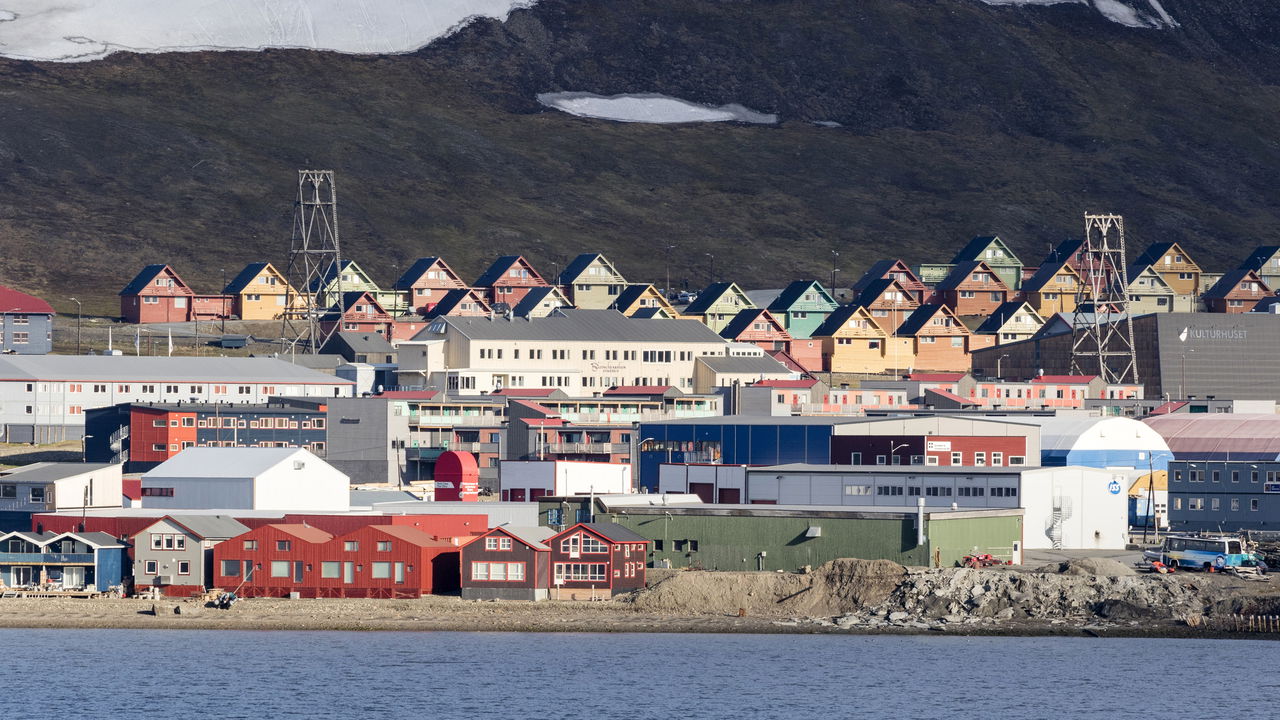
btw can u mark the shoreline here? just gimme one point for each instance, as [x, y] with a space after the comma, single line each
[455, 615]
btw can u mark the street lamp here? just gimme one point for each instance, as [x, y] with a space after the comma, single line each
[84, 448]
[78, 316]
[833, 278]
[893, 449]
[666, 291]
[224, 307]
[835, 260]
[1000, 376]
[713, 266]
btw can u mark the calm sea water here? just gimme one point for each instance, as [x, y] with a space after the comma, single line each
[224, 675]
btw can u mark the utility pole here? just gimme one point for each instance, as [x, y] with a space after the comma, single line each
[713, 267]
[78, 315]
[224, 307]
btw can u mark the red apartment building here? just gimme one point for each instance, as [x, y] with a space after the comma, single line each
[591, 560]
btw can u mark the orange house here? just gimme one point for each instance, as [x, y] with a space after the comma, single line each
[971, 288]
[939, 341]
[1052, 289]
[425, 283]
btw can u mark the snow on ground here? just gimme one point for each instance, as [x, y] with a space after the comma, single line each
[649, 108]
[1118, 11]
[79, 30]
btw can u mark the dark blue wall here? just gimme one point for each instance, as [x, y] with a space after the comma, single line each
[737, 445]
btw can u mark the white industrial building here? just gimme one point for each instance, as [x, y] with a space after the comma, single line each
[253, 478]
[1099, 442]
[43, 398]
[527, 480]
[1065, 507]
[52, 486]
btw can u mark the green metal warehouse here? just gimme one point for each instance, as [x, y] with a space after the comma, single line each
[688, 533]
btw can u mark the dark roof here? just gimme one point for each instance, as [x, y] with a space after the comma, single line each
[1064, 251]
[873, 290]
[495, 271]
[347, 301]
[835, 320]
[1228, 282]
[1153, 253]
[707, 298]
[973, 251]
[741, 322]
[917, 319]
[143, 279]
[1259, 258]
[532, 299]
[649, 313]
[245, 277]
[415, 271]
[999, 317]
[322, 281]
[793, 292]
[614, 532]
[576, 267]
[1042, 276]
[13, 301]
[629, 295]
[960, 272]
[358, 342]
[875, 272]
[451, 300]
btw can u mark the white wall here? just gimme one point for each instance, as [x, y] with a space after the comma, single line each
[557, 477]
[1093, 516]
[106, 489]
[314, 486]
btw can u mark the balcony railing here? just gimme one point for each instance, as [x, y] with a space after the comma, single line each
[451, 420]
[46, 558]
[582, 448]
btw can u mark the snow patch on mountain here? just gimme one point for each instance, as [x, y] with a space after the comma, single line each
[1152, 15]
[81, 30]
[650, 108]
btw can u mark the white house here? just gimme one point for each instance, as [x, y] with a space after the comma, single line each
[251, 478]
[49, 486]
[527, 480]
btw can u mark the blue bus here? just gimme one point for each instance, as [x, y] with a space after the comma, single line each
[1203, 552]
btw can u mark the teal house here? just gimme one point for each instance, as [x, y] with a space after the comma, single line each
[802, 307]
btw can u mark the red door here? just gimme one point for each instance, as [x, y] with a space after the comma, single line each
[730, 496]
[705, 491]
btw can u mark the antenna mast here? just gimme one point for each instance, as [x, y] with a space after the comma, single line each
[1102, 329]
[315, 264]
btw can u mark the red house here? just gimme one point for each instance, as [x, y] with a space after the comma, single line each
[358, 312]
[972, 288]
[596, 559]
[425, 283]
[378, 561]
[507, 563]
[759, 327]
[508, 280]
[1237, 292]
[156, 295]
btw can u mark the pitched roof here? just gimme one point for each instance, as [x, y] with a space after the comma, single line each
[70, 368]
[917, 319]
[880, 269]
[973, 250]
[330, 274]
[783, 357]
[409, 394]
[305, 533]
[1064, 251]
[836, 320]
[360, 342]
[1230, 280]
[226, 462]
[744, 320]
[500, 266]
[534, 536]
[525, 392]
[710, 296]
[652, 313]
[455, 297]
[14, 301]
[612, 531]
[961, 272]
[1154, 252]
[1001, 315]
[416, 271]
[535, 297]
[947, 395]
[1259, 257]
[206, 526]
[584, 325]
[46, 472]
[411, 535]
[579, 265]
[246, 276]
[629, 295]
[1046, 273]
[792, 293]
[144, 278]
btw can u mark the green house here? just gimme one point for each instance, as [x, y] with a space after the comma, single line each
[354, 279]
[718, 304]
[989, 249]
[803, 306]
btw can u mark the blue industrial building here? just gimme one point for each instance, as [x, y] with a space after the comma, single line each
[1221, 496]
[1099, 442]
[736, 440]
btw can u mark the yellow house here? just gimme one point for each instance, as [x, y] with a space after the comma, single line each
[260, 292]
[643, 298]
[1052, 289]
[853, 342]
[1175, 266]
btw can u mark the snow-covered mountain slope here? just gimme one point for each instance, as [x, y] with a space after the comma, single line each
[78, 30]
[1132, 13]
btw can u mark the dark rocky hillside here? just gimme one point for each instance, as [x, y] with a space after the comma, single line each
[956, 118]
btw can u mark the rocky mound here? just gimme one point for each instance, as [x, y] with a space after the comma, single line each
[1101, 567]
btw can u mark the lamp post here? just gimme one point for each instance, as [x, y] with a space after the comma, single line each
[713, 266]
[84, 448]
[999, 375]
[666, 291]
[833, 278]
[893, 449]
[224, 308]
[835, 260]
[78, 316]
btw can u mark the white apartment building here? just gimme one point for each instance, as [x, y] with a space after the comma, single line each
[581, 351]
[44, 398]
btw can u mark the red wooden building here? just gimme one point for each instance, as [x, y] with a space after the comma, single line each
[382, 561]
[156, 294]
[426, 282]
[596, 560]
[761, 328]
[508, 280]
[972, 288]
[507, 563]
[359, 312]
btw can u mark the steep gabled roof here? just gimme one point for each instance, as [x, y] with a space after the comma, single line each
[1001, 315]
[743, 321]
[579, 265]
[607, 530]
[536, 296]
[792, 293]
[653, 313]
[713, 294]
[306, 533]
[1259, 257]
[501, 266]
[961, 272]
[146, 275]
[874, 290]
[205, 526]
[923, 314]
[349, 300]
[419, 268]
[1047, 272]
[1231, 279]
[837, 320]
[1155, 251]
[455, 297]
[326, 279]
[881, 269]
[1064, 252]
[973, 251]
[245, 277]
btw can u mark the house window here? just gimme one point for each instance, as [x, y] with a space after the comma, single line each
[330, 570]
[592, 545]
[284, 545]
[497, 543]
[351, 545]
[157, 541]
[231, 568]
[1195, 504]
[381, 571]
[579, 572]
[384, 546]
[150, 567]
[250, 545]
[957, 458]
[1235, 504]
[279, 568]
[1253, 504]
[184, 567]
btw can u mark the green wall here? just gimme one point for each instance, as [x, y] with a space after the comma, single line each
[952, 538]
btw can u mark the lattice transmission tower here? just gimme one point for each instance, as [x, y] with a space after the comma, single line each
[1102, 329]
[315, 264]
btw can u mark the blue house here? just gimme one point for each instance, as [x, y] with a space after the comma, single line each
[92, 561]
[26, 323]
[802, 306]
[737, 440]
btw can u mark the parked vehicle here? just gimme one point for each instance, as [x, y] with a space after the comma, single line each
[1205, 552]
